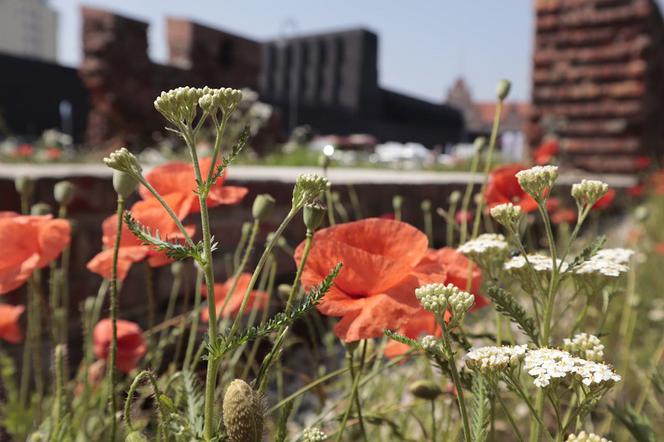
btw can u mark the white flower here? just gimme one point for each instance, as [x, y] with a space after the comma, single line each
[586, 437]
[617, 255]
[506, 214]
[547, 364]
[540, 263]
[536, 180]
[313, 434]
[485, 244]
[608, 262]
[589, 191]
[439, 297]
[585, 346]
[492, 359]
[429, 343]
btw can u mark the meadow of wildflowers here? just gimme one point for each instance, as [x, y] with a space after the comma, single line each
[525, 326]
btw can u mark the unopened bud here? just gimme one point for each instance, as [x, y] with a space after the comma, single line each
[455, 196]
[503, 89]
[242, 413]
[63, 192]
[425, 389]
[426, 205]
[40, 209]
[284, 290]
[313, 216]
[262, 208]
[123, 183]
[397, 201]
[177, 268]
[24, 185]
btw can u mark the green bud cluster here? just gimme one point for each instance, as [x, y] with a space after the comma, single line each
[587, 192]
[308, 188]
[537, 180]
[440, 297]
[507, 215]
[124, 161]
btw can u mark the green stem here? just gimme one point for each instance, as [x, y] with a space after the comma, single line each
[455, 378]
[114, 318]
[193, 332]
[170, 308]
[354, 398]
[298, 275]
[433, 420]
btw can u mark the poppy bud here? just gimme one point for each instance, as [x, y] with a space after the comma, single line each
[177, 268]
[425, 389]
[136, 436]
[63, 192]
[284, 290]
[123, 183]
[262, 208]
[242, 413]
[426, 205]
[455, 196]
[246, 228]
[641, 213]
[40, 209]
[503, 89]
[313, 216]
[24, 185]
[480, 143]
[397, 202]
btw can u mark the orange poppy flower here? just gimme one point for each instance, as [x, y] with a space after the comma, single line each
[503, 187]
[375, 289]
[606, 200]
[546, 152]
[28, 243]
[179, 178]
[150, 214]
[660, 248]
[131, 344]
[564, 215]
[257, 298]
[10, 330]
[455, 266]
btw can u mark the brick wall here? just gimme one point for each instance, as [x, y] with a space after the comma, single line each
[597, 70]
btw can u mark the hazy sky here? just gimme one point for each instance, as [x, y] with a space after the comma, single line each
[423, 44]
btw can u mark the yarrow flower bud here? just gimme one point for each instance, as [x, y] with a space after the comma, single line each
[243, 413]
[308, 188]
[585, 346]
[491, 359]
[587, 192]
[179, 106]
[430, 343]
[439, 297]
[313, 434]
[425, 389]
[586, 437]
[537, 180]
[124, 161]
[506, 214]
[227, 99]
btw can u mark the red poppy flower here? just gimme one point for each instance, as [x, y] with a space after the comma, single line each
[10, 330]
[131, 344]
[642, 162]
[179, 178]
[387, 216]
[564, 215]
[606, 200]
[375, 289]
[150, 214]
[456, 267]
[545, 152]
[503, 187]
[637, 190]
[53, 153]
[24, 150]
[257, 298]
[28, 243]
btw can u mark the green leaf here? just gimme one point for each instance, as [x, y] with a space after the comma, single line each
[277, 322]
[636, 423]
[173, 250]
[508, 306]
[480, 411]
[282, 430]
[588, 252]
[228, 159]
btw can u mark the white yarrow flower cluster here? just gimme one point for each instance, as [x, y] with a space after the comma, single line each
[540, 263]
[608, 262]
[429, 343]
[485, 244]
[313, 434]
[548, 364]
[587, 192]
[585, 346]
[493, 359]
[537, 180]
[440, 297]
[506, 214]
[586, 437]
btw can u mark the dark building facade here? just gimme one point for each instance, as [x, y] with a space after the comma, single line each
[330, 81]
[37, 95]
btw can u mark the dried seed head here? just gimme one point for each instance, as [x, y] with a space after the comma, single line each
[243, 413]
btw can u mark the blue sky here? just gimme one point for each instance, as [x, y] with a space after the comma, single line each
[424, 44]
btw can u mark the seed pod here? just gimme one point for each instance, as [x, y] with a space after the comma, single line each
[503, 89]
[63, 192]
[313, 216]
[425, 389]
[123, 183]
[243, 413]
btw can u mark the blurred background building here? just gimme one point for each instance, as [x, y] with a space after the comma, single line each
[29, 28]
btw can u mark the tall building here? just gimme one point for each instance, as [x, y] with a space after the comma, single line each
[28, 28]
